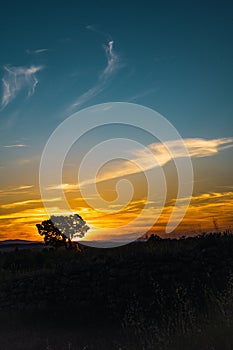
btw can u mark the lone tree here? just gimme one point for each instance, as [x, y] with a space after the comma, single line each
[58, 231]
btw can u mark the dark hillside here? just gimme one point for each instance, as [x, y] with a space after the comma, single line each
[163, 294]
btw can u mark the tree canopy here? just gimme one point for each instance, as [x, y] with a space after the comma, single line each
[60, 230]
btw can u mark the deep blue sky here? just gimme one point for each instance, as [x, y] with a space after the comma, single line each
[176, 57]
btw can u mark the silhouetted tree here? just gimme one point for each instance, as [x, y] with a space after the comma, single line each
[154, 238]
[60, 230]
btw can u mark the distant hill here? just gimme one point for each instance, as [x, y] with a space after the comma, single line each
[11, 244]
[18, 241]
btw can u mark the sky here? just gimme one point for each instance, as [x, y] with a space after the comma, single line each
[60, 57]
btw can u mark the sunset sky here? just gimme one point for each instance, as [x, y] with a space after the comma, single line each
[175, 57]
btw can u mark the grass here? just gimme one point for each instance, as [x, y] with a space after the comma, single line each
[164, 294]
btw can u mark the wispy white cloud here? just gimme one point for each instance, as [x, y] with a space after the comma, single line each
[67, 187]
[91, 27]
[13, 190]
[197, 148]
[18, 145]
[142, 94]
[36, 52]
[27, 202]
[113, 64]
[25, 187]
[94, 29]
[23, 161]
[112, 60]
[16, 190]
[16, 79]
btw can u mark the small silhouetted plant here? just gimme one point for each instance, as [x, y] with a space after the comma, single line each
[58, 231]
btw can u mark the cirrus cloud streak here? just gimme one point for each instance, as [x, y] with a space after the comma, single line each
[197, 148]
[113, 64]
[17, 79]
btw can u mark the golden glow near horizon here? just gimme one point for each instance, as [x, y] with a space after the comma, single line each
[202, 211]
[211, 204]
[18, 219]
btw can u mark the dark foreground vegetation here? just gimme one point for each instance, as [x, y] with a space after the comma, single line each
[163, 294]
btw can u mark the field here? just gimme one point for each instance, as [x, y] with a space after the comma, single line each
[161, 294]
